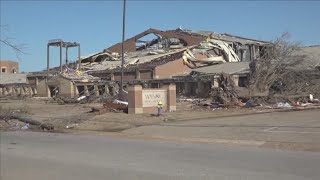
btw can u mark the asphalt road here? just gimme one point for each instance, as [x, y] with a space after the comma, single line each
[298, 128]
[33, 156]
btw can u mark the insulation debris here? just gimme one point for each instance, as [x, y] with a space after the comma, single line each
[220, 52]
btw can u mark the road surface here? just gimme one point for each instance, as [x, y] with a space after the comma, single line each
[297, 130]
[39, 156]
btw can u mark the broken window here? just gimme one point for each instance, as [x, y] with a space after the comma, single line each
[81, 90]
[245, 53]
[155, 85]
[263, 50]
[4, 70]
[110, 89]
[13, 70]
[180, 87]
[90, 89]
[53, 91]
[101, 89]
[243, 81]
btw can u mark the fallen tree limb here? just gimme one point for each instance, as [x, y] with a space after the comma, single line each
[25, 119]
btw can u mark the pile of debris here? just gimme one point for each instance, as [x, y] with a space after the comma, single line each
[255, 103]
[216, 52]
[114, 106]
[77, 75]
[143, 57]
[10, 114]
[226, 94]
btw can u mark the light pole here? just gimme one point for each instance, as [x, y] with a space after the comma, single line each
[122, 49]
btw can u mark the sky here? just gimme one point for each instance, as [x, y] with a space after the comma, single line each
[97, 25]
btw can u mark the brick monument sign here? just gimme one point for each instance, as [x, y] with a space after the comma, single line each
[146, 100]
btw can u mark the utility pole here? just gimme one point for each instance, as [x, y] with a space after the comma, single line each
[122, 50]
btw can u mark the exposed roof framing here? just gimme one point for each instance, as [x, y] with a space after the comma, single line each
[60, 42]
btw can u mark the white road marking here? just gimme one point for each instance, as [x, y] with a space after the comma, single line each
[272, 130]
[266, 130]
[301, 132]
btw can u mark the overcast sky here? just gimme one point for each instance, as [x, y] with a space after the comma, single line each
[98, 24]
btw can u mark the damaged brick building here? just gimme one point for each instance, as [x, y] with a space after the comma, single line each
[153, 58]
[175, 56]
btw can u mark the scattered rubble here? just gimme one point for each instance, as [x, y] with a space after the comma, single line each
[28, 121]
[211, 48]
[226, 93]
[77, 75]
[272, 70]
[283, 105]
[72, 126]
[115, 106]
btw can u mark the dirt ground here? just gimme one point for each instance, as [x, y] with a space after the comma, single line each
[257, 126]
[78, 116]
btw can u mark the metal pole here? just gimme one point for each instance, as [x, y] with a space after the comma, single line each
[60, 56]
[122, 45]
[79, 61]
[48, 57]
[67, 55]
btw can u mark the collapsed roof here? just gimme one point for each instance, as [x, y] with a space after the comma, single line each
[155, 47]
[227, 37]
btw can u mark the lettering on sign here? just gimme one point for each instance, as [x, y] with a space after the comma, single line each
[150, 98]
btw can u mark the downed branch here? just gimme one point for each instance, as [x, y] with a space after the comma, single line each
[25, 119]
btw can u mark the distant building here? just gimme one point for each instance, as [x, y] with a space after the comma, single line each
[12, 83]
[9, 67]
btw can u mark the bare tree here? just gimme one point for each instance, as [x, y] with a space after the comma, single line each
[5, 40]
[278, 60]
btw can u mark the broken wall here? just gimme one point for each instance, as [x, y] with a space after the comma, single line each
[43, 89]
[176, 67]
[170, 69]
[65, 86]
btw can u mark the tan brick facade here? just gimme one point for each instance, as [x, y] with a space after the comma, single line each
[170, 69]
[173, 68]
[64, 86]
[9, 67]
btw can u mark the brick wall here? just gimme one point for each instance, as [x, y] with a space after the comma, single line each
[9, 67]
[170, 69]
[173, 68]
